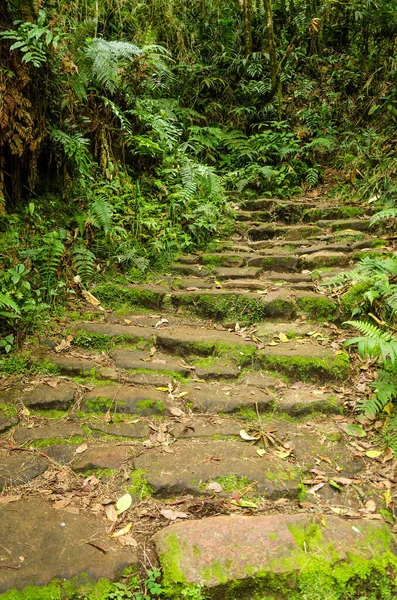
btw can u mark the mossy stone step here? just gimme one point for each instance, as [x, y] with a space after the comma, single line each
[135, 360]
[43, 397]
[289, 232]
[244, 273]
[126, 399]
[259, 204]
[55, 544]
[193, 464]
[305, 362]
[352, 224]
[18, 468]
[281, 556]
[313, 214]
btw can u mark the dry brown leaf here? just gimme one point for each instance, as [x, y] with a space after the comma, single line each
[81, 449]
[370, 506]
[172, 515]
[215, 487]
[128, 540]
[8, 499]
[111, 512]
[59, 504]
[176, 412]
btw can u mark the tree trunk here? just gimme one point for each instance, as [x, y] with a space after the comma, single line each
[274, 75]
[248, 26]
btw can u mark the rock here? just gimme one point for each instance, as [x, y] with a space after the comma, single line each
[135, 360]
[7, 423]
[125, 399]
[53, 430]
[125, 430]
[276, 263]
[211, 398]
[193, 464]
[260, 380]
[70, 365]
[306, 400]
[217, 372]
[182, 269]
[44, 397]
[18, 467]
[54, 544]
[305, 362]
[101, 457]
[325, 259]
[233, 273]
[275, 554]
[355, 224]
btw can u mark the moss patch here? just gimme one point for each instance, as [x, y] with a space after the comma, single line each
[320, 309]
[120, 296]
[138, 485]
[308, 368]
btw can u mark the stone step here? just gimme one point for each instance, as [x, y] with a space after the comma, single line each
[293, 213]
[289, 232]
[304, 361]
[219, 304]
[352, 224]
[56, 545]
[273, 556]
[238, 273]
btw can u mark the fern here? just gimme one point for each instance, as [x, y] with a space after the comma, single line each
[84, 263]
[375, 342]
[104, 59]
[49, 259]
[6, 302]
[383, 215]
[386, 392]
[100, 214]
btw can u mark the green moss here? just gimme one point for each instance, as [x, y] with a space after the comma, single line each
[138, 485]
[229, 307]
[230, 483]
[308, 368]
[149, 406]
[313, 570]
[320, 309]
[98, 405]
[75, 439]
[354, 297]
[120, 296]
[92, 341]
[103, 474]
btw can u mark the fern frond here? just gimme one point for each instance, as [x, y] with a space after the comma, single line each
[101, 214]
[7, 302]
[374, 342]
[104, 59]
[84, 263]
[383, 215]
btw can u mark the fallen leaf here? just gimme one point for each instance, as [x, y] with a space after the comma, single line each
[59, 504]
[111, 513]
[8, 499]
[335, 485]
[215, 487]
[123, 503]
[315, 488]
[389, 454]
[81, 449]
[247, 437]
[373, 453]
[388, 498]
[122, 531]
[306, 505]
[260, 451]
[176, 412]
[128, 540]
[355, 430]
[92, 300]
[244, 504]
[370, 506]
[172, 515]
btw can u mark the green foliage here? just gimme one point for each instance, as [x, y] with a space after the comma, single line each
[32, 39]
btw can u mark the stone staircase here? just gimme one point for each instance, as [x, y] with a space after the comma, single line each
[217, 396]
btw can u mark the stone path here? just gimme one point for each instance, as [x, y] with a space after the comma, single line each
[217, 396]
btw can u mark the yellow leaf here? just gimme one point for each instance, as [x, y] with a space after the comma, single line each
[123, 503]
[261, 451]
[373, 453]
[388, 497]
[389, 408]
[272, 343]
[283, 337]
[123, 531]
